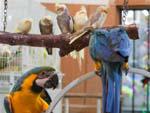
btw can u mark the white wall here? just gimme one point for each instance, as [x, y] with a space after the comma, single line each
[101, 2]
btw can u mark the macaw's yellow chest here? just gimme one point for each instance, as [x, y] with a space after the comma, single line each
[26, 101]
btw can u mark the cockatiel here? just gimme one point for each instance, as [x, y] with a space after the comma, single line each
[24, 26]
[64, 20]
[25, 97]
[96, 20]
[80, 19]
[46, 28]
[110, 50]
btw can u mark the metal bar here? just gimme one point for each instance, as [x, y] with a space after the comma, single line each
[68, 87]
[82, 95]
[148, 62]
[84, 78]
[66, 105]
[133, 64]
[140, 72]
[98, 105]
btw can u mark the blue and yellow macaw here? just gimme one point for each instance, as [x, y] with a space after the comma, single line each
[110, 50]
[28, 94]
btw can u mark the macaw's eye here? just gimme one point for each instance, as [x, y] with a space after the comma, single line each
[45, 74]
[42, 75]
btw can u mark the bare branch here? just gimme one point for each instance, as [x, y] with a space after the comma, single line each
[56, 41]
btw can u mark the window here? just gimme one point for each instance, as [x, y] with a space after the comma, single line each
[139, 58]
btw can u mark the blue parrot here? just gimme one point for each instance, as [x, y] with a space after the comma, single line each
[110, 49]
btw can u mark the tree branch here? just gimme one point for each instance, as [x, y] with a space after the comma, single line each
[56, 41]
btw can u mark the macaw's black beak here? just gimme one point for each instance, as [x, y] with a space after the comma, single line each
[47, 80]
[52, 82]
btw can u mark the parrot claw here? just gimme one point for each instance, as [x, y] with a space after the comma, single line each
[98, 68]
[97, 72]
[126, 71]
[125, 67]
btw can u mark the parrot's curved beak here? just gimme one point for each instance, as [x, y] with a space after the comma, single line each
[47, 80]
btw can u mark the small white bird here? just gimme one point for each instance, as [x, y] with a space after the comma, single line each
[96, 20]
[80, 22]
[80, 19]
[24, 26]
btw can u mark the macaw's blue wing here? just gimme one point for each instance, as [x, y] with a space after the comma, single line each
[7, 104]
[36, 70]
[109, 45]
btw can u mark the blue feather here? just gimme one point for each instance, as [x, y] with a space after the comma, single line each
[105, 44]
[111, 47]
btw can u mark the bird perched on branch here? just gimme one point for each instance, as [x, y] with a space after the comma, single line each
[46, 28]
[110, 50]
[46, 25]
[24, 26]
[96, 20]
[64, 20]
[25, 96]
[80, 19]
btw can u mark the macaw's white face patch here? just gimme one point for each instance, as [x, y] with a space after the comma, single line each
[47, 79]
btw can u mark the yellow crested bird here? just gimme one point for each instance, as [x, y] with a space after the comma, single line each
[24, 26]
[80, 19]
[96, 20]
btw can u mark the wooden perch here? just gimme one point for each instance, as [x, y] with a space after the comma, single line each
[56, 41]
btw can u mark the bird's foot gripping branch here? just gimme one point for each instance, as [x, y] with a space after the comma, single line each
[61, 41]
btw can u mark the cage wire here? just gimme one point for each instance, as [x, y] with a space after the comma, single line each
[15, 60]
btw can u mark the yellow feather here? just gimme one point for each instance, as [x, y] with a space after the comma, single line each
[26, 101]
[24, 26]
